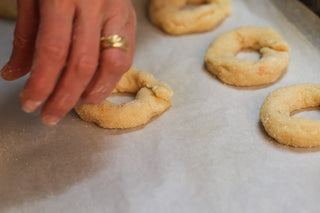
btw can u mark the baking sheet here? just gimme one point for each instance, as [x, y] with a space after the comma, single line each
[208, 153]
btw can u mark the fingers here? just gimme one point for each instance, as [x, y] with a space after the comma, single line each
[23, 44]
[82, 64]
[114, 62]
[70, 31]
[51, 50]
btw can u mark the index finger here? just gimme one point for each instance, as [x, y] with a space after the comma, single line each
[51, 50]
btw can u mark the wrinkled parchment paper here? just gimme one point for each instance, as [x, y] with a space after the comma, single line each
[207, 153]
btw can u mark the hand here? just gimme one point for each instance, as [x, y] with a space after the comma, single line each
[58, 42]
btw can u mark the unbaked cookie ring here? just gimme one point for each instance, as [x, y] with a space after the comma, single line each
[174, 16]
[294, 131]
[152, 98]
[221, 57]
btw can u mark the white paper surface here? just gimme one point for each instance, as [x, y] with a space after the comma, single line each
[207, 153]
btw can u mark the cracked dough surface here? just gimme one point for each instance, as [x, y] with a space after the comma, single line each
[221, 58]
[152, 98]
[174, 17]
[294, 131]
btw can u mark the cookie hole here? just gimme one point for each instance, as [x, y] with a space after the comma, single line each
[312, 113]
[249, 55]
[120, 98]
[190, 5]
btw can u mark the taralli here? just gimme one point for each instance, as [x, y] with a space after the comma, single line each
[221, 58]
[174, 17]
[152, 98]
[294, 131]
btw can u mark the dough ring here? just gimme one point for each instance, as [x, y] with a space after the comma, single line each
[220, 57]
[294, 131]
[152, 98]
[170, 15]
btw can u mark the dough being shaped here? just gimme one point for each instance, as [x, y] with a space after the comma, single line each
[173, 18]
[221, 58]
[294, 131]
[152, 98]
[8, 8]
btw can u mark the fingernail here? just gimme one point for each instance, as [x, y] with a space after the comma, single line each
[50, 120]
[4, 71]
[30, 105]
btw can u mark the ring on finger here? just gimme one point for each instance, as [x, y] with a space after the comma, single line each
[114, 41]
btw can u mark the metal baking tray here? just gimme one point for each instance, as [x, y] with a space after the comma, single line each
[207, 153]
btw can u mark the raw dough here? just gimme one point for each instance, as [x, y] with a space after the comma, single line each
[152, 98]
[293, 131]
[172, 17]
[221, 56]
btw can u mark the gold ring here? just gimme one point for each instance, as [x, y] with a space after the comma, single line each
[114, 41]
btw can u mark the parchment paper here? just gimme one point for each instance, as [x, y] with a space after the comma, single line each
[207, 153]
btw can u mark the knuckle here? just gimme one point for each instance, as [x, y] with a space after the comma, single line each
[62, 105]
[39, 88]
[20, 41]
[55, 50]
[85, 66]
